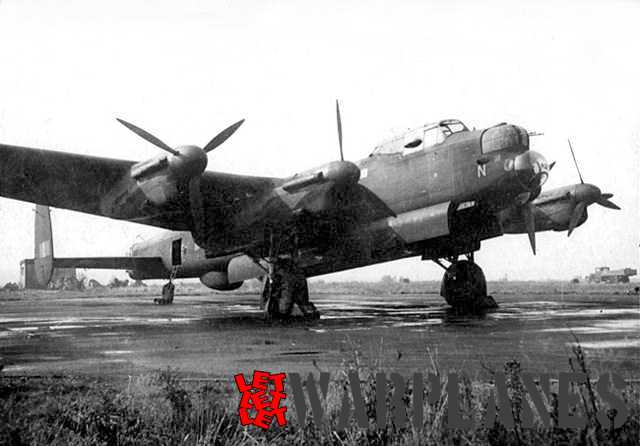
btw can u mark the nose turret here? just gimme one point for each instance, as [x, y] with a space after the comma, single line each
[532, 169]
[523, 171]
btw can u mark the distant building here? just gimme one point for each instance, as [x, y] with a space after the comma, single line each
[606, 275]
[28, 275]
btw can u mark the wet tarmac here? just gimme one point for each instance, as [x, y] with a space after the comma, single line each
[207, 335]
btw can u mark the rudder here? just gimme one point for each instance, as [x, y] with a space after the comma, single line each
[43, 246]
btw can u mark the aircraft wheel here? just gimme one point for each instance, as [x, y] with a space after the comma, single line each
[464, 287]
[286, 289]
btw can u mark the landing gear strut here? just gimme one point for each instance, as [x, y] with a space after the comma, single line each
[464, 286]
[285, 286]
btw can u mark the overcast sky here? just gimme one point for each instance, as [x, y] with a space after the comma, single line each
[185, 70]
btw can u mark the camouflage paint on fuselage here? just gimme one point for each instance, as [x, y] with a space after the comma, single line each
[416, 192]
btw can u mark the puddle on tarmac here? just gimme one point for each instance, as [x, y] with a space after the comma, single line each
[117, 352]
[611, 343]
[64, 327]
[602, 327]
[21, 329]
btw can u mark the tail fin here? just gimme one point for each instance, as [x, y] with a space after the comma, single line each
[43, 246]
[44, 263]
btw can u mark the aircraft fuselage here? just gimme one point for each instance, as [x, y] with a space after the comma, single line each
[434, 200]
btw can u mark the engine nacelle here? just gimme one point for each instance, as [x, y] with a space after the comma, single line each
[553, 215]
[158, 177]
[340, 172]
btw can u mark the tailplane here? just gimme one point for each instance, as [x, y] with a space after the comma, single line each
[44, 263]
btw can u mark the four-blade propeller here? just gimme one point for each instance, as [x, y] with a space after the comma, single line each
[187, 164]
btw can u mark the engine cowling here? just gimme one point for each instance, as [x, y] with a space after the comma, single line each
[159, 176]
[339, 172]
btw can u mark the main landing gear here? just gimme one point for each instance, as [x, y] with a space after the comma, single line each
[464, 286]
[285, 286]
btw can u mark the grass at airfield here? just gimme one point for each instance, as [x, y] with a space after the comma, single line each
[165, 408]
[161, 408]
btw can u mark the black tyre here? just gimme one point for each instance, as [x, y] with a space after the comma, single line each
[464, 285]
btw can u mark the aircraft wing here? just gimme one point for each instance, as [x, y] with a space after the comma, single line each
[353, 202]
[103, 186]
[58, 179]
[364, 205]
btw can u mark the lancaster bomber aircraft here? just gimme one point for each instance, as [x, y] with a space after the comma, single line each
[436, 191]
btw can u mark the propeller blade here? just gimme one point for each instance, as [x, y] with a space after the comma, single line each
[574, 160]
[530, 224]
[575, 217]
[604, 201]
[222, 136]
[148, 137]
[339, 129]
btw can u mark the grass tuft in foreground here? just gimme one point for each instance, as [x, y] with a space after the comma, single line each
[162, 409]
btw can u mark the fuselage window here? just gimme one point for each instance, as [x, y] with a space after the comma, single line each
[433, 136]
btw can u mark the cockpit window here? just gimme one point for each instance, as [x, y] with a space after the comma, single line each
[434, 136]
[421, 137]
[451, 126]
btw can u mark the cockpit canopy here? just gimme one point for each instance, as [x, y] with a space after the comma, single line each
[421, 137]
